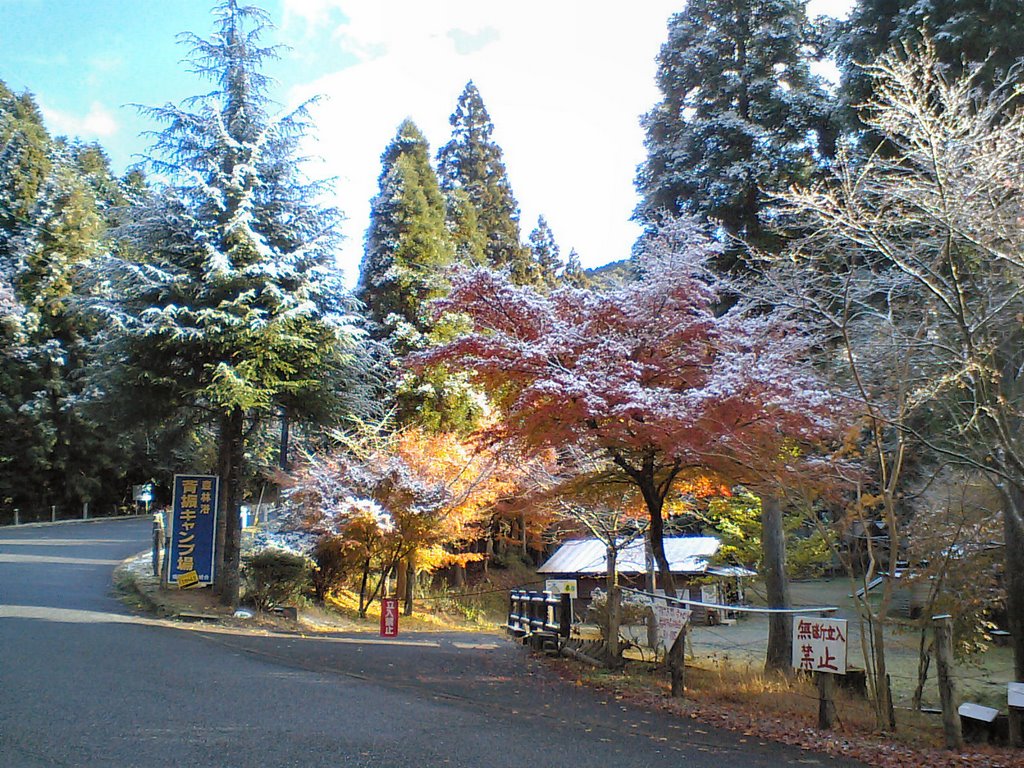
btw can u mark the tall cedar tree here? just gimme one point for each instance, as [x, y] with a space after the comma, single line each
[24, 167]
[56, 201]
[647, 379]
[741, 113]
[988, 33]
[407, 243]
[408, 253]
[24, 160]
[573, 275]
[546, 255]
[233, 305]
[473, 176]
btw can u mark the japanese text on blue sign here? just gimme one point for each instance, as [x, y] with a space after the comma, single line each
[193, 530]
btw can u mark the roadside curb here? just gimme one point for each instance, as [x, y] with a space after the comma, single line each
[47, 523]
[128, 583]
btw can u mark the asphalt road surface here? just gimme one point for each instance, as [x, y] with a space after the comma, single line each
[84, 683]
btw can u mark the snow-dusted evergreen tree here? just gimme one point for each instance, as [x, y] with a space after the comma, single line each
[226, 291]
[988, 33]
[24, 160]
[407, 243]
[55, 202]
[547, 259]
[408, 252]
[472, 171]
[741, 114]
[573, 275]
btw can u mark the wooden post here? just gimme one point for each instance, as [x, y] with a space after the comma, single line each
[53, 513]
[677, 664]
[85, 510]
[826, 684]
[17, 521]
[943, 626]
[158, 543]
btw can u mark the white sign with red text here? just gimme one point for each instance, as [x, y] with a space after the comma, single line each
[670, 621]
[819, 645]
[389, 617]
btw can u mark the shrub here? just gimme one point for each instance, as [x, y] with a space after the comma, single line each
[635, 609]
[333, 564]
[273, 577]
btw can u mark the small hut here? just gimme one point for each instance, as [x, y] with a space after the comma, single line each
[688, 556]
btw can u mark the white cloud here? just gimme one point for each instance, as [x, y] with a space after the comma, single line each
[97, 123]
[565, 83]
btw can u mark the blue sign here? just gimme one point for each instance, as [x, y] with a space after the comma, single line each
[193, 530]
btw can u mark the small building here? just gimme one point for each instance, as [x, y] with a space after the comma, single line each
[688, 556]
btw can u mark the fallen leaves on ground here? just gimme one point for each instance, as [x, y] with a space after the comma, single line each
[870, 748]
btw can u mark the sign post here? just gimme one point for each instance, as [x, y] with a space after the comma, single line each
[389, 617]
[568, 587]
[820, 646]
[193, 530]
[671, 629]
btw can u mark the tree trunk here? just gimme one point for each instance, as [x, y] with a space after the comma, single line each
[947, 683]
[401, 571]
[458, 576]
[410, 583]
[655, 504]
[773, 567]
[885, 716]
[614, 604]
[1013, 532]
[924, 658]
[525, 538]
[362, 589]
[231, 435]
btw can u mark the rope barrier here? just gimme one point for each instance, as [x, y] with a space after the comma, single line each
[738, 608]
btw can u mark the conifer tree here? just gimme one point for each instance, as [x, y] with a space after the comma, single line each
[985, 33]
[547, 261]
[739, 110]
[53, 220]
[225, 291]
[408, 251]
[407, 243]
[24, 160]
[573, 274]
[472, 170]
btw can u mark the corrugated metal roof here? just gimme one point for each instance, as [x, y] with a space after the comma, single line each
[730, 570]
[686, 554]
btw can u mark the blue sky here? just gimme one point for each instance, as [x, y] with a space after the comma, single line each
[565, 82]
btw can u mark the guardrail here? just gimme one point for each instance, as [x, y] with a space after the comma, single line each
[542, 619]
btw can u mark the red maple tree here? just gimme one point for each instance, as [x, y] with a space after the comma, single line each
[650, 376]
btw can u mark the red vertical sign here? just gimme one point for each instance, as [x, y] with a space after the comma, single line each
[389, 617]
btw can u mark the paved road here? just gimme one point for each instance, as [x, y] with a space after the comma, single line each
[83, 683]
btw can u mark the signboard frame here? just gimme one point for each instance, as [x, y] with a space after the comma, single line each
[817, 642]
[193, 530]
[670, 619]
[561, 586]
[389, 617]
